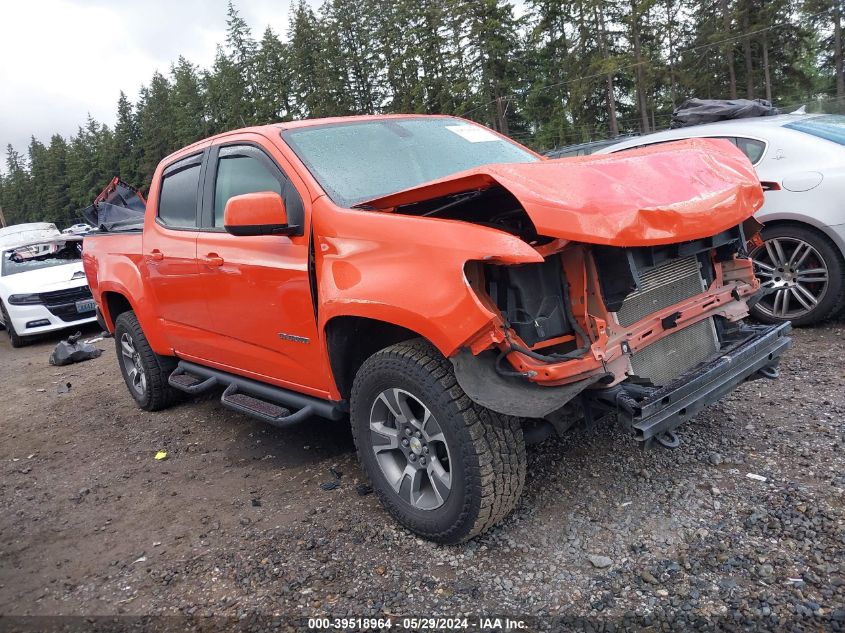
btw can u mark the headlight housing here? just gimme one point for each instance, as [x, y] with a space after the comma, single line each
[25, 300]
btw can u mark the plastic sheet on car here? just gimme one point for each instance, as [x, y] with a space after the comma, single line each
[119, 207]
[699, 111]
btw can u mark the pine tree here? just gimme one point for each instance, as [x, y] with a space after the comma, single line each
[126, 147]
[487, 33]
[565, 71]
[188, 103]
[272, 80]
[17, 206]
[241, 48]
[56, 185]
[156, 126]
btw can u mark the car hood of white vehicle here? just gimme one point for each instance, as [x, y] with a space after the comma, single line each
[44, 279]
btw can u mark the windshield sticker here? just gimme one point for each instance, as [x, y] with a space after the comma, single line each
[473, 133]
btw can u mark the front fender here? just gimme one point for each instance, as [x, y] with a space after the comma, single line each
[408, 271]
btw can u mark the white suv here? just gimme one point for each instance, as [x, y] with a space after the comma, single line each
[800, 159]
[42, 284]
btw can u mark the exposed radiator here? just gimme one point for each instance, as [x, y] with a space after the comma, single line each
[660, 288]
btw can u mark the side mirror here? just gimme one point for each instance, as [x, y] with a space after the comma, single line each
[261, 213]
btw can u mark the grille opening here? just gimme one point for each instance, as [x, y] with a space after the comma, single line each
[62, 303]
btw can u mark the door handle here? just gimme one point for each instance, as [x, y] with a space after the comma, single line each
[156, 255]
[213, 260]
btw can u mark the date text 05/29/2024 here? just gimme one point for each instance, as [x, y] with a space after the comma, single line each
[416, 624]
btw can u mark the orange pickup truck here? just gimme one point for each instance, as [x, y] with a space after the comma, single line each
[452, 292]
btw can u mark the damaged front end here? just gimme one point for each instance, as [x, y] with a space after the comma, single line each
[654, 333]
[638, 303]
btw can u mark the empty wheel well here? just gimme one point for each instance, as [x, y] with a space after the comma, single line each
[352, 340]
[116, 304]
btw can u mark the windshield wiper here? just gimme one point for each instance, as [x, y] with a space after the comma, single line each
[456, 199]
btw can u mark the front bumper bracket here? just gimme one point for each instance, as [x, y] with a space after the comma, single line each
[650, 411]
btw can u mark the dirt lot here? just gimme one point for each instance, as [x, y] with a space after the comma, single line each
[234, 523]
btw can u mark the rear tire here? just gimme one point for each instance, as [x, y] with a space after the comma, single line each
[444, 467]
[144, 371]
[14, 338]
[793, 259]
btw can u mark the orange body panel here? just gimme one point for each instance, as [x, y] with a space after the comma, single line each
[659, 194]
[255, 209]
[259, 306]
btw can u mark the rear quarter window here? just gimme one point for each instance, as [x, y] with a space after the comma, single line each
[752, 148]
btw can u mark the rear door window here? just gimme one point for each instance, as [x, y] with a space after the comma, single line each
[177, 204]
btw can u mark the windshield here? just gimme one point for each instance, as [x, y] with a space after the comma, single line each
[34, 256]
[359, 161]
[830, 127]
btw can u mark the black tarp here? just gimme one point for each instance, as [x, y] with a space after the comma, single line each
[72, 350]
[120, 207]
[698, 111]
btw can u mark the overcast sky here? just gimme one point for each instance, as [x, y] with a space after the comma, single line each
[61, 59]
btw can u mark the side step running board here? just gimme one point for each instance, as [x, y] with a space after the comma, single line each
[183, 381]
[261, 409]
[257, 399]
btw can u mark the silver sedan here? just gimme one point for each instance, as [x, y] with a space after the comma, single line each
[800, 159]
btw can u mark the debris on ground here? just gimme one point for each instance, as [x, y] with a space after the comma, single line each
[598, 561]
[766, 558]
[363, 489]
[330, 485]
[160, 455]
[72, 350]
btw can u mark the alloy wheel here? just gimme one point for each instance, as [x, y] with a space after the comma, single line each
[410, 449]
[132, 364]
[796, 273]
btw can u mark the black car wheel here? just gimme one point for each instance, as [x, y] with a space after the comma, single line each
[144, 371]
[14, 338]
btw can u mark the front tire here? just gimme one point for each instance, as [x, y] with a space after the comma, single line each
[144, 371]
[806, 272]
[443, 466]
[14, 338]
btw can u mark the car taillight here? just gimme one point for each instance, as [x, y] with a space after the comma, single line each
[24, 300]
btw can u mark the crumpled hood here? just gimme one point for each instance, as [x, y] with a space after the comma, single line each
[662, 194]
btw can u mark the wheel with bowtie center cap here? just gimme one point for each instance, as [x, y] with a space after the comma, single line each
[443, 466]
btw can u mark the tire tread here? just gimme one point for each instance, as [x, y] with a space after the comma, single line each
[496, 445]
[158, 368]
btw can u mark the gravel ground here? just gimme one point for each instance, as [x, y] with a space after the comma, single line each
[233, 523]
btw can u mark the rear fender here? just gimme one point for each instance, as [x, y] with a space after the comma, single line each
[121, 275]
